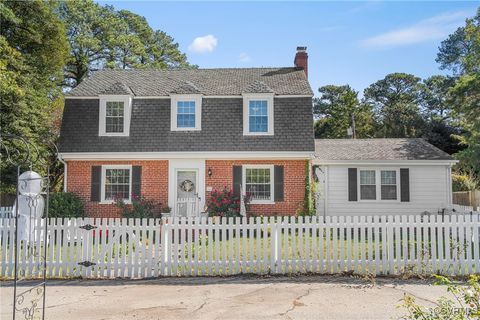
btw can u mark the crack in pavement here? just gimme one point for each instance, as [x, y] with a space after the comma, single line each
[405, 291]
[296, 303]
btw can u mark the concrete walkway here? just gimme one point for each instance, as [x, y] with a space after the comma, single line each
[305, 297]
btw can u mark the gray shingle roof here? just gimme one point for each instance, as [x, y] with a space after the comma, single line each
[116, 88]
[214, 82]
[377, 149]
[258, 87]
[186, 88]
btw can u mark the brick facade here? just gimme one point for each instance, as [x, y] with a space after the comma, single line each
[155, 183]
[294, 183]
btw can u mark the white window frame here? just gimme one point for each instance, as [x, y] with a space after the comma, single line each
[247, 97]
[174, 99]
[117, 166]
[378, 184]
[272, 181]
[127, 112]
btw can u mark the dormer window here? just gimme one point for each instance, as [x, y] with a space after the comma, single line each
[186, 112]
[115, 114]
[258, 114]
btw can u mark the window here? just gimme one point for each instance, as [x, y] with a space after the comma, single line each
[116, 183]
[186, 112]
[379, 184]
[389, 185]
[368, 188]
[114, 115]
[258, 114]
[258, 183]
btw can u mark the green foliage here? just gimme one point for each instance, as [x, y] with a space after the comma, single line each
[223, 203]
[140, 207]
[337, 108]
[101, 37]
[65, 205]
[33, 50]
[464, 305]
[308, 207]
[464, 181]
[395, 100]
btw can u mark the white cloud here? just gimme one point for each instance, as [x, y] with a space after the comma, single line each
[243, 57]
[203, 44]
[434, 28]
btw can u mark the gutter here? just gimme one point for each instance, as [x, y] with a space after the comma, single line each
[65, 171]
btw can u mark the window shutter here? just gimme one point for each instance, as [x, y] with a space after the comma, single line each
[237, 180]
[404, 185]
[352, 184]
[278, 180]
[96, 183]
[136, 181]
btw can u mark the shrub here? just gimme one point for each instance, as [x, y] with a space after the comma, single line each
[464, 182]
[65, 205]
[140, 207]
[223, 203]
[466, 303]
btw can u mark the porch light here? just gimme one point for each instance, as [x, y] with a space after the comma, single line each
[210, 172]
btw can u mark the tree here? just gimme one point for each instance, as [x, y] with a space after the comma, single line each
[101, 37]
[33, 50]
[337, 108]
[440, 128]
[395, 101]
[460, 52]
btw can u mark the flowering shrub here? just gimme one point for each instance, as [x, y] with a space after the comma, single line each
[140, 207]
[223, 203]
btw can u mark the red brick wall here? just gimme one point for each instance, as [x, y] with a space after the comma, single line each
[154, 184]
[294, 183]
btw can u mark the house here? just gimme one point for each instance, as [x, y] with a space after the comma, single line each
[381, 176]
[173, 136]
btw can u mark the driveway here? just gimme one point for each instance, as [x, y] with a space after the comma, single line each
[242, 297]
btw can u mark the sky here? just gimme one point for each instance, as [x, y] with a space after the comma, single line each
[355, 43]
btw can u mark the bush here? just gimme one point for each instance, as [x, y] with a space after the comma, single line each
[139, 208]
[223, 203]
[464, 182]
[65, 205]
[465, 303]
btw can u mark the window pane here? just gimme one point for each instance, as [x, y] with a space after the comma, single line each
[186, 114]
[389, 192]
[368, 192]
[114, 116]
[258, 116]
[117, 184]
[257, 183]
[367, 177]
[389, 177]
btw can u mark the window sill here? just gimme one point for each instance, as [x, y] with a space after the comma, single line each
[113, 135]
[113, 202]
[186, 129]
[258, 134]
[262, 202]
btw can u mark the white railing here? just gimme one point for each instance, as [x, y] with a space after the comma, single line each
[142, 248]
[6, 212]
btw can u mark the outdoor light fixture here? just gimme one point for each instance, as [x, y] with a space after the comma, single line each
[210, 172]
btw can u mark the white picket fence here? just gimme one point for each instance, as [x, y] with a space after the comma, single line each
[143, 248]
[6, 212]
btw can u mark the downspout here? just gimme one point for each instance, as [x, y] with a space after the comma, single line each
[65, 171]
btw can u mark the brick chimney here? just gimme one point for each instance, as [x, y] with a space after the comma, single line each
[301, 59]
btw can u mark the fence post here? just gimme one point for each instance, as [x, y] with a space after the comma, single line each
[275, 264]
[166, 236]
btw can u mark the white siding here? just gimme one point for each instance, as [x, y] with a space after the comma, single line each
[429, 191]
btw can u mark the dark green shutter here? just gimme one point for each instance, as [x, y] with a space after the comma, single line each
[278, 180]
[404, 185]
[237, 180]
[96, 183]
[136, 181]
[352, 184]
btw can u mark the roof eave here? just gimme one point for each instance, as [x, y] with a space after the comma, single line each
[442, 162]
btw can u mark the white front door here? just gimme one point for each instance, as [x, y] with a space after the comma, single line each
[186, 199]
[186, 186]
